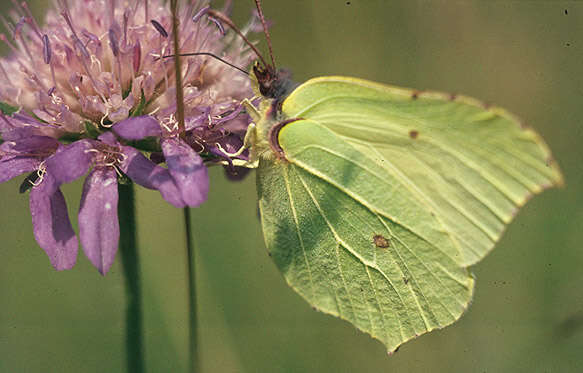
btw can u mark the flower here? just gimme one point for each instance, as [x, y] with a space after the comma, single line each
[92, 91]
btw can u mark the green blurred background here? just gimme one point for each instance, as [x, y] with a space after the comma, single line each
[527, 313]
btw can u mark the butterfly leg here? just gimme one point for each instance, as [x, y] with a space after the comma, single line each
[249, 139]
[251, 109]
[250, 135]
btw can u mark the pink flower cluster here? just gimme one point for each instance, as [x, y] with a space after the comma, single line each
[90, 93]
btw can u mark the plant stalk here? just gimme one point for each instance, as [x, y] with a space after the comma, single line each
[131, 269]
[194, 363]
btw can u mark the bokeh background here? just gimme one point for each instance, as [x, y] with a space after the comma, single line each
[527, 314]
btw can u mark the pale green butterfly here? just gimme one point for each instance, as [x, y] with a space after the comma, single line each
[375, 199]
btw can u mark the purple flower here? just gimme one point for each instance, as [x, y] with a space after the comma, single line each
[93, 96]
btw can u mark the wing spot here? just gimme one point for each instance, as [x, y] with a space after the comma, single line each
[413, 134]
[415, 95]
[405, 280]
[380, 241]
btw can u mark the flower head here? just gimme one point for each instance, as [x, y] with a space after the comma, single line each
[93, 91]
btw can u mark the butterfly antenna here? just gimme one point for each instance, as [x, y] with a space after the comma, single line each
[266, 31]
[206, 54]
[223, 18]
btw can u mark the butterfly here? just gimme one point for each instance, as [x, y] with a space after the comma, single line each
[375, 200]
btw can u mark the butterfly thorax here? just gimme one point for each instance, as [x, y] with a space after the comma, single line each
[274, 86]
[271, 117]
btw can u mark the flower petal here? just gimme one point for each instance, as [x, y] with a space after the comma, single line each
[11, 130]
[37, 145]
[108, 138]
[149, 175]
[187, 170]
[137, 128]
[51, 226]
[12, 167]
[70, 162]
[98, 223]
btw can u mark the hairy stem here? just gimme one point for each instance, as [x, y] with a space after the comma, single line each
[192, 321]
[131, 269]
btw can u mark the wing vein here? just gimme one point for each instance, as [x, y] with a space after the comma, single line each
[298, 230]
[347, 247]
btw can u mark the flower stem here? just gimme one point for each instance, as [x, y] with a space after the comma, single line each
[131, 268]
[192, 304]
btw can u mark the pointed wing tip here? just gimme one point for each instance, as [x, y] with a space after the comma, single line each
[558, 178]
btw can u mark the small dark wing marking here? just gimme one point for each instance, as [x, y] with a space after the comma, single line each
[380, 241]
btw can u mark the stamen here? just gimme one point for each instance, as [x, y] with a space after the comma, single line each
[78, 44]
[200, 13]
[46, 49]
[16, 30]
[112, 11]
[169, 121]
[101, 121]
[115, 49]
[41, 172]
[118, 172]
[76, 41]
[53, 76]
[137, 57]
[30, 19]
[10, 45]
[202, 147]
[126, 17]
[80, 47]
[159, 28]
[24, 46]
[154, 111]
[113, 42]
[3, 71]
[218, 24]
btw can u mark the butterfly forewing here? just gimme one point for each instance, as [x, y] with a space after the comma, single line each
[468, 166]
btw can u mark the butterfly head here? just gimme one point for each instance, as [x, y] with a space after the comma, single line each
[272, 83]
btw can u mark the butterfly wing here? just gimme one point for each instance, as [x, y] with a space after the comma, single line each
[386, 196]
[469, 165]
[343, 254]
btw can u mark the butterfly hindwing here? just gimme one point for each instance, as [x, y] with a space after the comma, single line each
[345, 256]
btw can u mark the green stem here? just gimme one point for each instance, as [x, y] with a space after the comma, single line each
[192, 321]
[131, 268]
